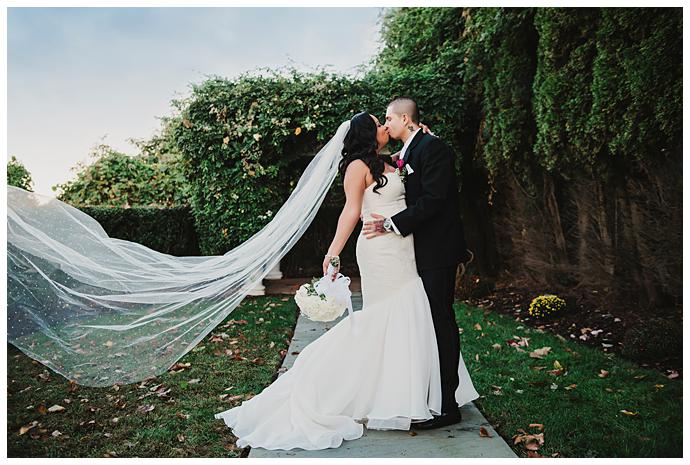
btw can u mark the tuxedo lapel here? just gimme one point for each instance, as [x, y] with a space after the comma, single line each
[417, 138]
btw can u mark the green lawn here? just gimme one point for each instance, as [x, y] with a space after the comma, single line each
[172, 415]
[580, 411]
[168, 416]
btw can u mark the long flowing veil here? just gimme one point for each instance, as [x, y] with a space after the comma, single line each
[102, 311]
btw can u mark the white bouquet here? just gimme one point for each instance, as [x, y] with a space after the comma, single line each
[324, 299]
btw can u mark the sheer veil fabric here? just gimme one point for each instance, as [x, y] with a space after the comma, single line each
[102, 311]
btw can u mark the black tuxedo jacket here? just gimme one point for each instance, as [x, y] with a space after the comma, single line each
[432, 213]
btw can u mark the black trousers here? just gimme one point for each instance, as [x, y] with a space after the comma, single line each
[440, 289]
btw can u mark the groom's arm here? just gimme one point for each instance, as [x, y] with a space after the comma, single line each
[438, 166]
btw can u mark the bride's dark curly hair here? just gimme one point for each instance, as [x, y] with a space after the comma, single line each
[360, 144]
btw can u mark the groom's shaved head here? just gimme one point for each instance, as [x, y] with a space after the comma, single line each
[403, 105]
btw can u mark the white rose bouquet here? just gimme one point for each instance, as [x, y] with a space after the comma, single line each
[324, 299]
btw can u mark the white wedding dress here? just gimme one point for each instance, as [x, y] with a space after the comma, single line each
[385, 374]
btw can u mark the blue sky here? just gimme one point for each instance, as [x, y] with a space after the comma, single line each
[77, 77]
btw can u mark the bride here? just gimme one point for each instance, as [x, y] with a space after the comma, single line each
[386, 374]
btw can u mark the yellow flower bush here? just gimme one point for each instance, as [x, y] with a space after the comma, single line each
[545, 305]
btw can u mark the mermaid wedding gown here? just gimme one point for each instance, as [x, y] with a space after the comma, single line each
[385, 373]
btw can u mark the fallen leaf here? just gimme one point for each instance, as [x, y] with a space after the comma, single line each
[531, 442]
[537, 425]
[603, 373]
[484, 433]
[477, 326]
[629, 413]
[540, 353]
[496, 346]
[145, 408]
[534, 441]
[25, 429]
[178, 367]
[56, 408]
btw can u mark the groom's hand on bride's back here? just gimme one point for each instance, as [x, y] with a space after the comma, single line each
[374, 228]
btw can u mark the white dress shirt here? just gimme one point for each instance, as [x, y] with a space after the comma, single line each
[402, 155]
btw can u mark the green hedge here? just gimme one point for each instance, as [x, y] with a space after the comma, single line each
[637, 84]
[568, 125]
[116, 179]
[168, 230]
[246, 141]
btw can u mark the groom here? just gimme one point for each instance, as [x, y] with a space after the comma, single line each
[432, 214]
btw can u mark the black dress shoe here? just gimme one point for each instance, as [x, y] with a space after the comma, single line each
[444, 419]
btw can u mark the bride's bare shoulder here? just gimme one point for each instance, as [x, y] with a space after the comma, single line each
[357, 166]
[357, 171]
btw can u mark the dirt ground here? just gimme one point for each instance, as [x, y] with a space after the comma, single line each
[580, 319]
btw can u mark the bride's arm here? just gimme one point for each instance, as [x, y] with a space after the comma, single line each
[354, 185]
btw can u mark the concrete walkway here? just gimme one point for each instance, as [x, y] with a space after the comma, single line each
[459, 440]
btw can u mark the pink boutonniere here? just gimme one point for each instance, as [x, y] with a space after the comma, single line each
[402, 169]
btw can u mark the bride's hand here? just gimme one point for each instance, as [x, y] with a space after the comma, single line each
[425, 128]
[326, 262]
